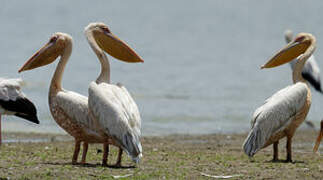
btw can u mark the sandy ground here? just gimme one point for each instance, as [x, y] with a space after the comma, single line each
[169, 157]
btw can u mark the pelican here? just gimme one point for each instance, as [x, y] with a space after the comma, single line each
[14, 102]
[69, 109]
[319, 137]
[311, 71]
[112, 106]
[283, 112]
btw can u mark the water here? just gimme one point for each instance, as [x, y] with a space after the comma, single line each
[202, 58]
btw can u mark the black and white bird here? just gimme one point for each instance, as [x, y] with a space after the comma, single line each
[311, 71]
[14, 102]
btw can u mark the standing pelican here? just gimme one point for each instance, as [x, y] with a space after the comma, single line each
[319, 138]
[14, 102]
[311, 71]
[69, 109]
[285, 110]
[113, 108]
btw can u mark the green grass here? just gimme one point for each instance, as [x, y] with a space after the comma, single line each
[170, 157]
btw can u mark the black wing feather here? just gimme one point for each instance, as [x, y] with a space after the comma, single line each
[316, 83]
[22, 107]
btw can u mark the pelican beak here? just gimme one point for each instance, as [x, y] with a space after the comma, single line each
[114, 46]
[319, 138]
[287, 54]
[45, 55]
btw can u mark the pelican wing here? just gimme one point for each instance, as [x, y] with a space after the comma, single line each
[311, 72]
[118, 115]
[14, 102]
[276, 114]
[76, 107]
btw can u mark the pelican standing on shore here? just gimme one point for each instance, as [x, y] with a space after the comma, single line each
[282, 113]
[112, 106]
[311, 71]
[14, 102]
[69, 109]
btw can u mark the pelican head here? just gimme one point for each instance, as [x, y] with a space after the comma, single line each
[319, 138]
[288, 35]
[49, 52]
[111, 44]
[292, 50]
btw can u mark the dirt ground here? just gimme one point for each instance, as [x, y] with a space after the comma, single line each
[169, 157]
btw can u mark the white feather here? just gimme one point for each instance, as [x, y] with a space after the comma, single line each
[10, 89]
[118, 116]
[76, 107]
[278, 111]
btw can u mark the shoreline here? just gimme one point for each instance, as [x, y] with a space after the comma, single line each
[62, 134]
[170, 157]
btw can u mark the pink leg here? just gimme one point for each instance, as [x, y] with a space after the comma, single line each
[76, 151]
[105, 154]
[118, 163]
[85, 147]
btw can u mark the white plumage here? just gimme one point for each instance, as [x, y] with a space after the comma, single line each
[274, 116]
[10, 89]
[113, 109]
[118, 116]
[69, 109]
[75, 106]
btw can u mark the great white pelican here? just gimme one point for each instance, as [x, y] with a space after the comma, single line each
[112, 106]
[283, 112]
[69, 109]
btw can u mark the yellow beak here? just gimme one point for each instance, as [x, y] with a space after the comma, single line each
[45, 55]
[287, 54]
[117, 48]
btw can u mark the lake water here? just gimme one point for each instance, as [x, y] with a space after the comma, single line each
[202, 58]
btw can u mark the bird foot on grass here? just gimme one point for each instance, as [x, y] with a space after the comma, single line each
[275, 160]
[288, 161]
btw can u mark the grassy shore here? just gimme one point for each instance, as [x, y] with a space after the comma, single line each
[169, 157]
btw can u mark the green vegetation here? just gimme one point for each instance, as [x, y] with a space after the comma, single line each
[170, 157]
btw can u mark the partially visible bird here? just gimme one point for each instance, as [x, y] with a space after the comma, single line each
[311, 71]
[319, 138]
[14, 102]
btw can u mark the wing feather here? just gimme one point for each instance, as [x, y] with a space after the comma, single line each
[274, 115]
[118, 115]
[76, 107]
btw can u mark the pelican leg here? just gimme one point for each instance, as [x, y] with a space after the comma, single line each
[118, 163]
[289, 149]
[105, 154]
[275, 146]
[85, 148]
[319, 138]
[76, 151]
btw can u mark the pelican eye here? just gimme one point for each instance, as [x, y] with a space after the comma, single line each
[105, 29]
[299, 39]
[53, 39]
